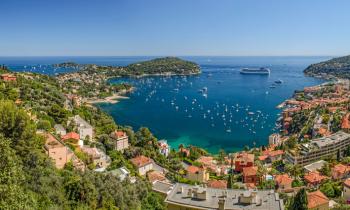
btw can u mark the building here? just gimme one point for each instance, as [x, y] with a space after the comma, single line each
[189, 197]
[218, 184]
[154, 176]
[197, 174]
[164, 188]
[121, 140]
[317, 201]
[243, 160]
[250, 175]
[340, 171]
[319, 149]
[143, 164]
[314, 179]
[315, 166]
[61, 154]
[271, 156]
[60, 130]
[8, 77]
[85, 130]
[72, 138]
[284, 183]
[100, 159]
[346, 190]
[57, 151]
[164, 147]
[275, 139]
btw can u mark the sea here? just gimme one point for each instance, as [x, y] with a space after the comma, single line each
[218, 109]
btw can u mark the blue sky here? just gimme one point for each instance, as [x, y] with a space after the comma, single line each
[174, 27]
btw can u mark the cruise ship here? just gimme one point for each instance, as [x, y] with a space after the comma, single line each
[264, 71]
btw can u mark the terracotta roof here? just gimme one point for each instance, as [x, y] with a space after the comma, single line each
[220, 184]
[283, 179]
[244, 157]
[155, 176]
[71, 135]
[141, 161]
[263, 157]
[341, 169]
[206, 160]
[192, 169]
[250, 171]
[345, 124]
[313, 177]
[347, 182]
[119, 134]
[316, 199]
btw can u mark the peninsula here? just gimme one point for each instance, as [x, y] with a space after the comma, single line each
[336, 67]
[91, 81]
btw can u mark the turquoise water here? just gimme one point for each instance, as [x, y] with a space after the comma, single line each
[238, 110]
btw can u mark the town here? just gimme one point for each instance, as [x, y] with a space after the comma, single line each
[310, 155]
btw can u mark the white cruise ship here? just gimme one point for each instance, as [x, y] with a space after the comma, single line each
[264, 71]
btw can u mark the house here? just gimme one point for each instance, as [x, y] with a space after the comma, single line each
[57, 151]
[185, 152]
[154, 176]
[121, 140]
[72, 138]
[61, 154]
[143, 164]
[183, 196]
[164, 147]
[340, 171]
[209, 163]
[197, 174]
[314, 179]
[218, 184]
[85, 130]
[163, 188]
[60, 130]
[100, 159]
[317, 201]
[284, 183]
[346, 190]
[250, 175]
[271, 156]
[8, 77]
[243, 160]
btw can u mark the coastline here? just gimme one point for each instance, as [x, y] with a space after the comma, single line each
[113, 99]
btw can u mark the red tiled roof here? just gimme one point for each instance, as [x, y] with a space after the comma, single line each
[71, 135]
[250, 171]
[119, 134]
[141, 161]
[341, 169]
[155, 176]
[283, 179]
[313, 177]
[244, 157]
[193, 169]
[220, 184]
[316, 199]
[345, 124]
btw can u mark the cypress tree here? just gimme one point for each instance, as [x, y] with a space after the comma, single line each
[300, 201]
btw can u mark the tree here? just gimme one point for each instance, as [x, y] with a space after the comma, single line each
[326, 170]
[300, 201]
[58, 113]
[221, 155]
[230, 181]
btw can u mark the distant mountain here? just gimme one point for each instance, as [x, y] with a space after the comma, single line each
[337, 67]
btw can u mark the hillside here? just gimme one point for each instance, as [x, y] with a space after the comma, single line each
[337, 67]
[167, 65]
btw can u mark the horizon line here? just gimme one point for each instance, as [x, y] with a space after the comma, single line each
[172, 55]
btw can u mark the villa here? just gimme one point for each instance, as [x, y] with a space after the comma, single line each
[84, 128]
[250, 175]
[197, 174]
[284, 183]
[317, 201]
[340, 171]
[184, 196]
[143, 164]
[346, 190]
[243, 160]
[314, 179]
[60, 130]
[121, 140]
[8, 77]
[100, 159]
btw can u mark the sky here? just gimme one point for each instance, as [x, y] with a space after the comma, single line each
[174, 27]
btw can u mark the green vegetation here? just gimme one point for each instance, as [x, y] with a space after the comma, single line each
[338, 67]
[299, 201]
[165, 65]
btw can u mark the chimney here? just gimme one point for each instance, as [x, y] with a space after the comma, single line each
[222, 201]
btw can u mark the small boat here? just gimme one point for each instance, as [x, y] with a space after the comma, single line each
[279, 81]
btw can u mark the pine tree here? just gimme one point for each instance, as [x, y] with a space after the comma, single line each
[300, 201]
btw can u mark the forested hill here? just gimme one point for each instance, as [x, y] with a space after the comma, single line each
[167, 65]
[337, 67]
